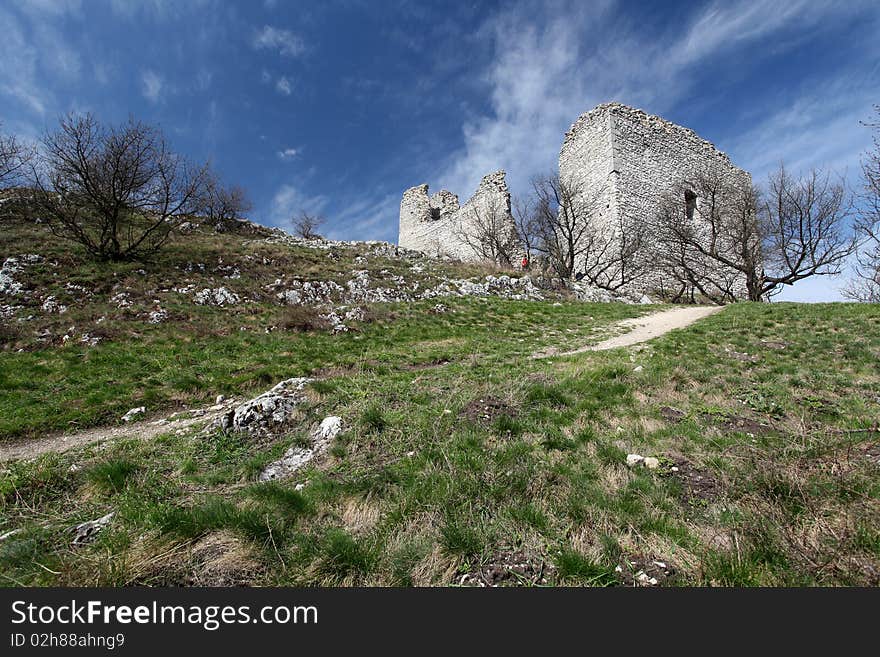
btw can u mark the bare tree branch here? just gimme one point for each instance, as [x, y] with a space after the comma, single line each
[489, 232]
[117, 190]
[740, 237]
[14, 158]
[866, 287]
[224, 206]
[568, 230]
[306, 225]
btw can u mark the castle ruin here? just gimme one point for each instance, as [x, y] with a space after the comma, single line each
[629, 161]
[439, 226]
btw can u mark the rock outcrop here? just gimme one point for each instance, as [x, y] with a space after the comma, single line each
[296, 457]
[267, 412]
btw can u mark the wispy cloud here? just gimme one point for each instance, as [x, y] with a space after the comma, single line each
[570, 57]
[807, 130]
[289, 200]
[284, 41]
[369, 218]
[288, 153]
[283, 86]
[18, 65]
[203, 79]
[151, 85]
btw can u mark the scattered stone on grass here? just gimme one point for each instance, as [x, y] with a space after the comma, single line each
[85, 532]
[296, 457]
[51, 305]
[741, 355]
[133, 413]
[216, 297]
[639, 571]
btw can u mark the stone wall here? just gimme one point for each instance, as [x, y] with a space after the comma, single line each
[622, 161]
[633, 159]
[436, 224]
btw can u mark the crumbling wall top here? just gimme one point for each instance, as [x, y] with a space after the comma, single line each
[651, 121]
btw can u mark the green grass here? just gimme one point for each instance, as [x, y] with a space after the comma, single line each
[778, 481]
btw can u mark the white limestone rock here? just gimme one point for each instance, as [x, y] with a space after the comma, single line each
[134, 413]
[86, 532]
[216, 297]
[266, 412]
[296, 457]
[633, 460]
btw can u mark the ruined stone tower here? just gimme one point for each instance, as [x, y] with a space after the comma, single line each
[622, 159]
[437, 225]
[633, 158]
[630, 160]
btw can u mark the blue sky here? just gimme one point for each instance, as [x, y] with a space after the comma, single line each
[338, 106]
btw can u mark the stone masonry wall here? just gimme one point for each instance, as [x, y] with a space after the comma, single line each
[622, 160]
[434, 224]
[634, 159]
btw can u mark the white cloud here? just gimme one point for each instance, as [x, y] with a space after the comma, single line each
[151, 85]
[52, 7]
[288, 153]
[34, 55]
[570, 57]
[18, 66]
[369, 219]
[289, 201]
[284, 41]
[811, 130]
[283, 86]
[203, 79]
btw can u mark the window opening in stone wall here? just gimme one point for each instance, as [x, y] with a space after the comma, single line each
[435, 214]
[690, 204]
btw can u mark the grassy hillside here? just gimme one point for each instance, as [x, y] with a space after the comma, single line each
[462, 459]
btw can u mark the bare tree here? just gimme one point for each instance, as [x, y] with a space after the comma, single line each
[738, 237]
[706, 239]
[224, 206]
[804, 228]
[306, 225]
[525, 223]
[117, 190]
[866, 287]
[14, 157]
[578, 243]
[489, 232]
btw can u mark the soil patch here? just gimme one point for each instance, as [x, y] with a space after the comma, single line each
[635, 570]
[437, 362]
[698, 485]
[484, 410]
[672, 414]
[774, 344]
[511, 569]
[739, 423]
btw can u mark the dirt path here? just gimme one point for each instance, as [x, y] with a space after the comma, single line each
[642, 329]
[28, 449]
